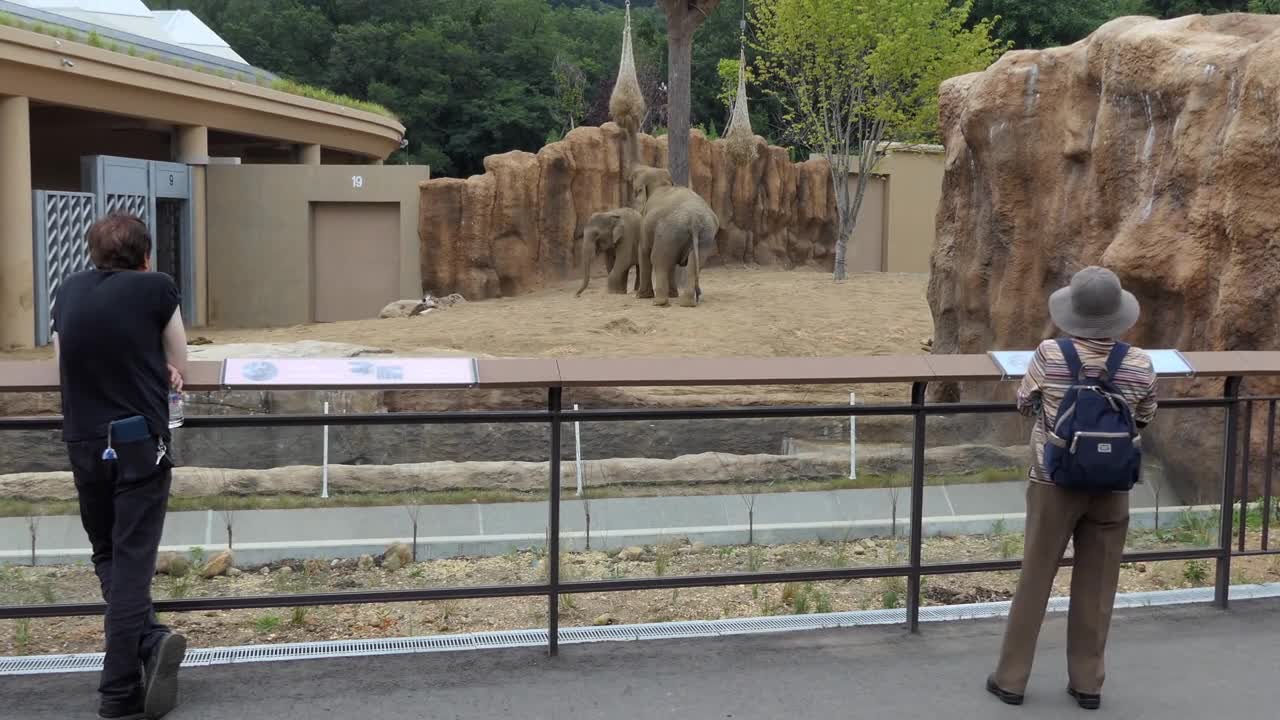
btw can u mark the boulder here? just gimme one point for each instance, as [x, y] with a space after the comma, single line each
[234, 572]
[173, 564]
[1149, 148]
[514, 229]
[398, 555]
[218, 566]
[632, 554]
[314, 566]
[365, 562]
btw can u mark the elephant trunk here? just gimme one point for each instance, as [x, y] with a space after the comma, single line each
[588, 254]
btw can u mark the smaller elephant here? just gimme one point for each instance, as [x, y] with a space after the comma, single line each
[616, 233]
[679, 228]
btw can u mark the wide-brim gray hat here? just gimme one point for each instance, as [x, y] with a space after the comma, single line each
[1094, 305]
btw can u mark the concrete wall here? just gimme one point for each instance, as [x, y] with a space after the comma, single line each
[915, 190]
[904, 216]
[260, 245]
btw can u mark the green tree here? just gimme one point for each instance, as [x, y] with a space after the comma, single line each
[1048, 23]
[849, 73]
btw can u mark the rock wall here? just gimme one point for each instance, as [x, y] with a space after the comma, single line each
[512, 230]
[1149, 147]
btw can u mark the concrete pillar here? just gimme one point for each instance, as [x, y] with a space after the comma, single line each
[308, 154]
[192, 148]
[17, 258]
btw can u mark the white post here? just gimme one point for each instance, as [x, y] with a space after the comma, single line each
[324, 473]
[577, 450]
[853, 440]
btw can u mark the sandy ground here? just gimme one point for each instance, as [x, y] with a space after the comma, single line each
[220, 628]
[745, 313]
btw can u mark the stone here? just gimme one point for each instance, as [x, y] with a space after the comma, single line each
[314, 566]
[397, 556]
[698, 547]
[606, 619]
[631, 554]
[285, 570]
[512, 230]
[173, 564]
[234, 572]
[402, 309]
[218, 566]
[1149, 148]
[266, 570]
[365, 562]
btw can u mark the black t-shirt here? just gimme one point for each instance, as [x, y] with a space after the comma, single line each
[110, 327]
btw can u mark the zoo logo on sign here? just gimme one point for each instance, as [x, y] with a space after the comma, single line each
[357, 181]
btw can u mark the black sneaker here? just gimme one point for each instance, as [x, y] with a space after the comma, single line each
[1088, 701]
[160, 676]
[131, 710]
[1006, 697]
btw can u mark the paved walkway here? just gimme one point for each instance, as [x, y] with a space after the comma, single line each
[1168, 664]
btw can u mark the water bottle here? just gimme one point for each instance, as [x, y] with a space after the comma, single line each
[176, 417]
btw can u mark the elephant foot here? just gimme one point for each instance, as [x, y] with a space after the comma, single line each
[644, 294]
[661, 301]
[688, 300]
[674, 293]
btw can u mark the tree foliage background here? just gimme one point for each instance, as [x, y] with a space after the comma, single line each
[470, 78]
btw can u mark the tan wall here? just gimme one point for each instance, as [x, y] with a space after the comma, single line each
[915, 191]
[904, 215]
[260, 238]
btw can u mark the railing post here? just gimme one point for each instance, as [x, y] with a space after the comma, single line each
[1222, 583]
[1268, 460]
[917, 506]
[553, 524]
[1244, 474]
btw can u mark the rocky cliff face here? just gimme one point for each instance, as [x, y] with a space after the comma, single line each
[1151, 148]
[512, 230]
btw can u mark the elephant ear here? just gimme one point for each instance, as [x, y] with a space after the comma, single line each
[619, 229]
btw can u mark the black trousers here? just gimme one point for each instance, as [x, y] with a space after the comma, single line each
[124, 521]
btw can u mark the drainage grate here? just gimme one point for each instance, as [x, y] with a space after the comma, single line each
[92, 662]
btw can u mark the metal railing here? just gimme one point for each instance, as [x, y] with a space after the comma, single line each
[1234, 463]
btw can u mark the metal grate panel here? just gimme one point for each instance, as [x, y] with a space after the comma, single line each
[92, 662]
[61, 222]
[135, 205]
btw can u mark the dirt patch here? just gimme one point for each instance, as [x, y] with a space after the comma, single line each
[220, 628]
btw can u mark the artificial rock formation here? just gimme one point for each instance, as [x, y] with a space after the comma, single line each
[1151, 148]
[512, 230]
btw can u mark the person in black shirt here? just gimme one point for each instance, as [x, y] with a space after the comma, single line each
[121, 346]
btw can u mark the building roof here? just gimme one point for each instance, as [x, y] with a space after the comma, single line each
[181, 28]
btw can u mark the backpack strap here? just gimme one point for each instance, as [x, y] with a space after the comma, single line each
[1119, 352]
[1072, 357]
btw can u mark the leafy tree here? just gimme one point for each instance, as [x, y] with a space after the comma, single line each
[849, 73]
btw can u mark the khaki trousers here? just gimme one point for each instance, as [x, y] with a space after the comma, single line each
[1098, 523]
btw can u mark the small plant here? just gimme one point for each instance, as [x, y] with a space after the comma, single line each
[1010, 547]
[298, 618]
[181, 587]
[840, 558]
[22, 636]
[47, 593]
[266, 624]
[153, 56]
[197, 555]
[132, 51]
[999, 528]
[94, 39]
[755, 559]
[1195, 572]
[890, 600]
[661, 561]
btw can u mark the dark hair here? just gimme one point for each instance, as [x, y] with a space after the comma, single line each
[119, 242]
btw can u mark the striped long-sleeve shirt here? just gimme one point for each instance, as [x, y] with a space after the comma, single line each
[1048, 378]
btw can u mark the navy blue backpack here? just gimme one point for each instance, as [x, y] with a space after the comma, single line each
[1094, 444]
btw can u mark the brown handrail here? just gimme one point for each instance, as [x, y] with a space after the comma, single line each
[42, 375]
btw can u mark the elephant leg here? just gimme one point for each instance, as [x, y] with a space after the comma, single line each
[644, 280]
[662, 287]
[618, 278]
[674, 284]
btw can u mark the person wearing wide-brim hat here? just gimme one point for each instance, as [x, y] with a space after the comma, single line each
[1093, 311]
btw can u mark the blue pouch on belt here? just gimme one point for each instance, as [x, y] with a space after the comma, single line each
[136, 453]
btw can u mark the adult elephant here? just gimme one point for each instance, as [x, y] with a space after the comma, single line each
[678, 227]
[616, 233]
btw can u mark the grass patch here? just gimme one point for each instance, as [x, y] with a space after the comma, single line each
[12, 507]
[266, 624]
[315, 93]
